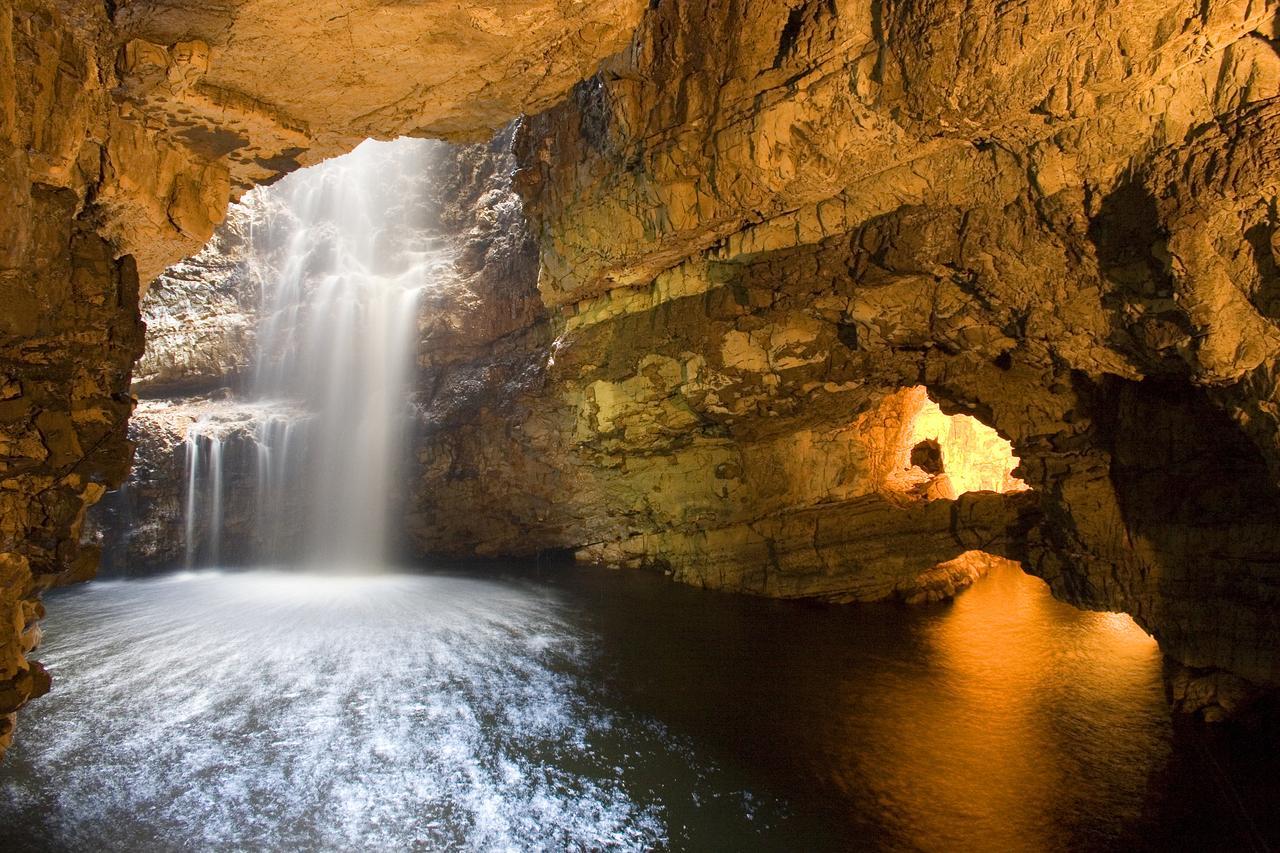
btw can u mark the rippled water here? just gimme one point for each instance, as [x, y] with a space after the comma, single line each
[588, 710]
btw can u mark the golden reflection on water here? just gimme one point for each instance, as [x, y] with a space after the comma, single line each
[973, 759]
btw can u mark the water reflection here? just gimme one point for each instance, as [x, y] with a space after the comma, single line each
[969, 752]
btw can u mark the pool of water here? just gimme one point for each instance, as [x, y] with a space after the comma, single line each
[580, 709]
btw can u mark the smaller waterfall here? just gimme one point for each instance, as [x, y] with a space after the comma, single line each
[278, 450]
[204, 513]
[193, 492]
[215, 499]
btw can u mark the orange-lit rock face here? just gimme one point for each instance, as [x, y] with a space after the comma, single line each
[1058, 217]
[919, 452]
[971, 455]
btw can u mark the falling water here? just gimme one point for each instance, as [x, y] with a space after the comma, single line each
[341, 253]
[215, 499]
[275, 452]
[193, 472]
[205, 492]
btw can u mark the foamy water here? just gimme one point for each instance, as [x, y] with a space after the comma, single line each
[267, 710]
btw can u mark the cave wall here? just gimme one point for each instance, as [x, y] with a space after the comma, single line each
[201, 317]
[764, 217]
[69, 330]
[705, 437]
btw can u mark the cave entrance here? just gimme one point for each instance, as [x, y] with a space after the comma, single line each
[926, 454]
[280, 367]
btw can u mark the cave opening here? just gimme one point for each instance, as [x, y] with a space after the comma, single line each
[286, 392]
[945, 456]
[927, 455]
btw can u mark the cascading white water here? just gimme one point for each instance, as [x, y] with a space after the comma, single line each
[205, 492]
[193, 474]
[275, 449]
[340, 253]
[215, 499]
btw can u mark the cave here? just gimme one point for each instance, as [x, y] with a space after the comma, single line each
[643, 424]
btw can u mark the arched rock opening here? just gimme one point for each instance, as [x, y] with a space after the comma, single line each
[928, 455]
[947, 455]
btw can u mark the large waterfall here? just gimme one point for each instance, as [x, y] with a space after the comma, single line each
[340, 253]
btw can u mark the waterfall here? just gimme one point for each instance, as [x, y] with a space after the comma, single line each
[340, 253]
[274, 446]
[205, 469]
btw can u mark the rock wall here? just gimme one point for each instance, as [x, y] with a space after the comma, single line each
[69, 331]
[672, 439]
[202, 317]
[765, 217]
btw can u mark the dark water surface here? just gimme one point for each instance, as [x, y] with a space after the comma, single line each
[581, 710]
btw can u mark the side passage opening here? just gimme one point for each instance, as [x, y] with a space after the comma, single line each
[944, 456]
[921, 453]
[924, 452]
[936, 456]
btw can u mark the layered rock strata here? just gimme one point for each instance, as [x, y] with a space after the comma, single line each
[202, 317]
[1060, 219]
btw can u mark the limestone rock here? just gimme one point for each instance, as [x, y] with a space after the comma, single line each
[765, 219]
[201, 317]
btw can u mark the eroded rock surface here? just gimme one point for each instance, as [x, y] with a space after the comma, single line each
[766, 217]
[202, 317]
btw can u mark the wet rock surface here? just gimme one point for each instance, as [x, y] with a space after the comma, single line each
[202, 317]
[1035, 214]
[148, 526]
